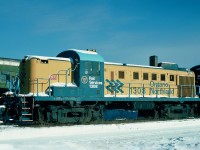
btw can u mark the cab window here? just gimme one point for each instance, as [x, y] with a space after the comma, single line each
[92, 68]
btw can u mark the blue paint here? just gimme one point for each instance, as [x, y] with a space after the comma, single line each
[119, 114]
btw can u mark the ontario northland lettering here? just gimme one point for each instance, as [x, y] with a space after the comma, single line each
[155, 88]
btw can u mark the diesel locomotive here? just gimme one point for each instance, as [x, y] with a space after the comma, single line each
[78, 86]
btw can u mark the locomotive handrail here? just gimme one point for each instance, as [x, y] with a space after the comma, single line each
[37, 83]
[186, 85]
[49, 79]
[145, 90]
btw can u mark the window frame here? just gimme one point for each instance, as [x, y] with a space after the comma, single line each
[121, 74]
[154, 75]
[162, 77]
[171, 79]
[135, 75]
[145, 76]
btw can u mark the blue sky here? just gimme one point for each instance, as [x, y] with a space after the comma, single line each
[127, 31]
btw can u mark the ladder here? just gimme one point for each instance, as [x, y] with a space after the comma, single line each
[27, 110]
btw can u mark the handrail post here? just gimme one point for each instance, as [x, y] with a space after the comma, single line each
[156, 91]
[115, 91]
[193, 91]
[181, 90]
[129, 91]
[33, 85]
[143, 90]
[49, 87]
[37, 86]
[66, 78]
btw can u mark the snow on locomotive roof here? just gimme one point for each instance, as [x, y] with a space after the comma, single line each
[167, 62]
[144, 66]
[133, 65]
[28, 57]
[85, 51]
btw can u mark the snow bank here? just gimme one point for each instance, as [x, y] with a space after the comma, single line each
[176, 134]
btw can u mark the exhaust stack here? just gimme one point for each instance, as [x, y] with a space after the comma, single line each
[153, 60]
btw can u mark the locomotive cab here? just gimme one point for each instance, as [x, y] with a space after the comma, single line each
[87, 74]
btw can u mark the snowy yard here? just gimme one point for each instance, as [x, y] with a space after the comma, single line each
[175, 134]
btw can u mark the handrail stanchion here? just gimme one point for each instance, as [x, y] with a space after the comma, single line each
[192, 90]
[33, 84]
[66, 78]
[49, 87]
[156, 91]
[37, 86]
[115, 91]
[143, 90]
[169, 91]
[181, 90]
[129, 90]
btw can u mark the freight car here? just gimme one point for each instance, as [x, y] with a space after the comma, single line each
[9, 68]
[79, 86]
[196, 70]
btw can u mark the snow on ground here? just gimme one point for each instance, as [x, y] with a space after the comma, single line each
[175, 134]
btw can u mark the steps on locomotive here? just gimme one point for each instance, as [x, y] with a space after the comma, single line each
[27, 110]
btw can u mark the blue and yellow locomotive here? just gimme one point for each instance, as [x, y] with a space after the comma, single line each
[79, 86]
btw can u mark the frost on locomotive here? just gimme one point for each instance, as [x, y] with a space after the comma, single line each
[78, 86]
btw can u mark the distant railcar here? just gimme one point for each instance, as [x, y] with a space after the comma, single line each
[79, 86]
[9, 69]
[196, 70]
